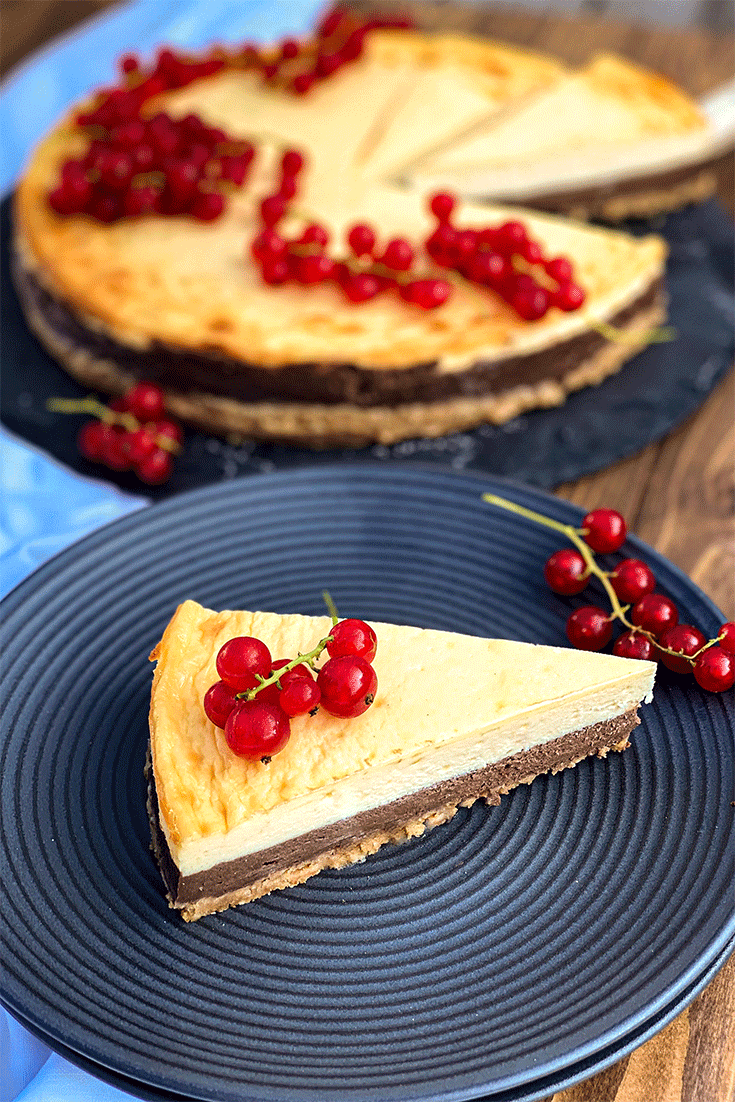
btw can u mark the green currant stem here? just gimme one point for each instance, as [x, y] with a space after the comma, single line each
[661, 335]
[309, 659]
[331, 607]
[574, 535]
[98, 409]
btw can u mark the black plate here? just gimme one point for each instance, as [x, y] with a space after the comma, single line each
[511, 945]
[597, 426]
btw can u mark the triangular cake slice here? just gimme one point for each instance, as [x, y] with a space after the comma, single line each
[613, 134]
[455, 718]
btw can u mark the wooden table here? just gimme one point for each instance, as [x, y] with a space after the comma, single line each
[677, 494]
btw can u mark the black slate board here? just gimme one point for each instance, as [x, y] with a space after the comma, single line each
[596, 427]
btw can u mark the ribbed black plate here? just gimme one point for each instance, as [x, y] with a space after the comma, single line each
[505, 947]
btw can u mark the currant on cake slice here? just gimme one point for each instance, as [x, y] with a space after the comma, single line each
[455, 718]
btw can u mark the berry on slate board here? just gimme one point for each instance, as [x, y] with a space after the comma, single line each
[130, 433]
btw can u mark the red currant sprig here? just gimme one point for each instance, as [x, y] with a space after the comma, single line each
[256, 697]
[132, 433]
[503, 259]
[135, 167]
[650, 619]
[362, 273]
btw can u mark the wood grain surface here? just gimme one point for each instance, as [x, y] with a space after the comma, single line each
[677, 495]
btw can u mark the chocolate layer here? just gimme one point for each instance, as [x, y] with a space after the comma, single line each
[329, 384]
[488, 783]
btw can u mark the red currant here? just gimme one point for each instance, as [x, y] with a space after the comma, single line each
[566, 572]
[559, 268]
[170, 430]
[361, 286]
[256, 730]
[314, 234]
[531, 251]
[139, 201]
[685, 640]
[398, 255]
[146, 401]
[633, 645]
[287, 188]
[303, 82]
[289, 49]
[315, 268]
[654, 613]
[275, 271]
[488, 267]
[114, 450]
[219, 700]
[714, 670]
[299, 696]
[631, 579]
[442, 204]
[241, 659]
[361, 239]
[589, 628]
[140, 444]
[427, 293]
[352, 637]
[568, 297]
[292, 163]
[272, 210]
[129, 63]
[510, 237]
[156, 467]
[726, 637]
[604, 530]
[207, 206]
[531, 305]
[348, 685]
[90, 440]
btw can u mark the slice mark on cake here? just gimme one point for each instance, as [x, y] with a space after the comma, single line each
[456, 718]
[613, 127]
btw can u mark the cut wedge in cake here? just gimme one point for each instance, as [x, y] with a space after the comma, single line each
[610, 141]
[455, 718]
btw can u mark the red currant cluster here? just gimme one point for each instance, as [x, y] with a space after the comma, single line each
[505, 260]
[340, 39]
[159, 165]
[256, 697]
[651, 619]
[132, 433]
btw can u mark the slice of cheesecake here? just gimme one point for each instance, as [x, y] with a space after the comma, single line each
[455, 718]
[612, 140]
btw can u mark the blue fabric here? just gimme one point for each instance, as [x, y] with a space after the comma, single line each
[43, 506]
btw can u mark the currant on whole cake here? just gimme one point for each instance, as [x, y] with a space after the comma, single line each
[442, 720]
[135, 254]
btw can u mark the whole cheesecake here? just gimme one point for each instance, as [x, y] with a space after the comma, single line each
[182, 303]
[455, 718]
